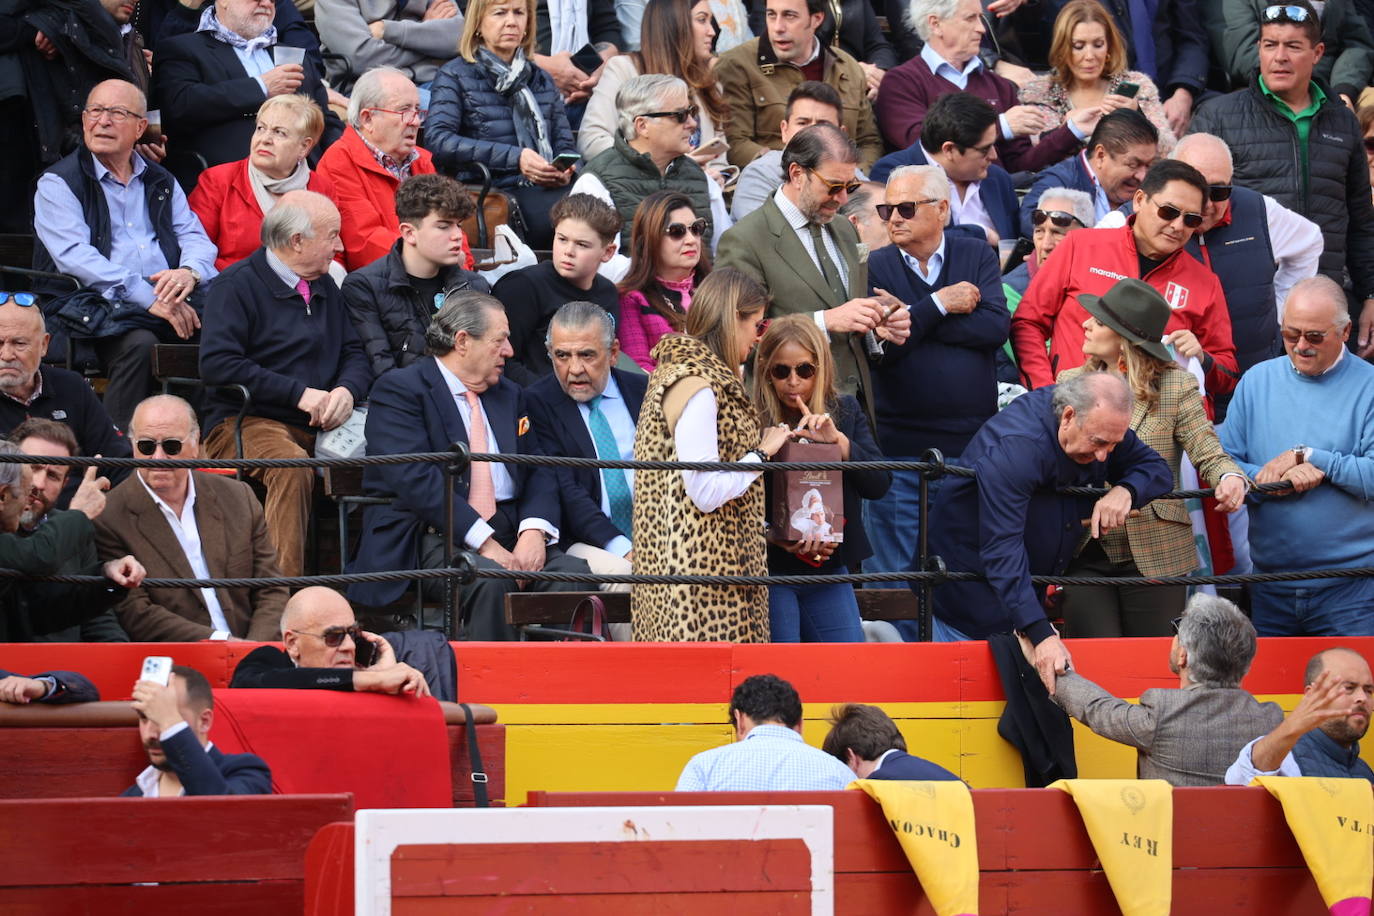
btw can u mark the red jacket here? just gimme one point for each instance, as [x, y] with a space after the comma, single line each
[366, 195]
[1090, 261]
[224, 201]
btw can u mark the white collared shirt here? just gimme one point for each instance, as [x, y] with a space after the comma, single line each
[931, 273]
[187, 533]
[148, 780]
[945, 70]
[617, 414]
[969, 209]
[798, 221]
[1101, 205]
[501, 481]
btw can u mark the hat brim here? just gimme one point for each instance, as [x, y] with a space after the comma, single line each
[1152, 347]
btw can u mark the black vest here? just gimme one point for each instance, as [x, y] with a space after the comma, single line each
[78, 172]
[630, 176]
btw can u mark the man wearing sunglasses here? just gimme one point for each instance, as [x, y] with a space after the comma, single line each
[1294, 140]
[1168, 210]
[1307, 418]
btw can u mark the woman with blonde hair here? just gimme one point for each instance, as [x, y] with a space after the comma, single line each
[1088, 70]
[1123, 333]
[794, 385]
[703, 522]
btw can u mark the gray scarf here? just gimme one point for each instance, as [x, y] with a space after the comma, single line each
[513, 83]
[267, 190]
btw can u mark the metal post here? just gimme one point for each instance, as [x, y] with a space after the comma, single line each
[926, 600]
[452, 469]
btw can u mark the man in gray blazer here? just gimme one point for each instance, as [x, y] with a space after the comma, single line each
[1189, 735]
[811, 262]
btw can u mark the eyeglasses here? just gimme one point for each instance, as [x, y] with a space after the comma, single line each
[1279, 13]
[1169, 213]
[905, 209]
[760, 326]
[117, 115]
[334, 636]
[832, 188]
[170, 447]
[1369, 144]
[1293, 335]
[781, 371]
[1176, 623]
[676, 231]
[680, 115]
[1057, 218]
[24, 299]
[980, 150]
[414, 116]
[1216, 193]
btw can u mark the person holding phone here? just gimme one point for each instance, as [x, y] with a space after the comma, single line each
[493, 104]
[1088, 70]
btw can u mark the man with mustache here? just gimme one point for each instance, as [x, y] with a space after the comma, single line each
[1305, 418]
[174, 723]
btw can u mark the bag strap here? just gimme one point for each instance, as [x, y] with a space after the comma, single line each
[598, 615]
[479, 774]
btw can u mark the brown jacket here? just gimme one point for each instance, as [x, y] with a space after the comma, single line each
[233, 538]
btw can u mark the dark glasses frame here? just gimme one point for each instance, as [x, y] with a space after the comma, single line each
[676, 231]
[1293, 335]
[170, 447]
[680, 115]
[334, 636]
[833, 188]
[1057, 218]
[27, 300]
[1369, 144]
[906, 209]
[782, 371]
[1217, 193]
[1169, 213]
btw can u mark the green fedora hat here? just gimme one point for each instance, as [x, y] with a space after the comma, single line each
[1135, 310]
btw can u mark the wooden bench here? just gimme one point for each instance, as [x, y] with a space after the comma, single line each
[551, 612]
[1233, 852]
[208, 855]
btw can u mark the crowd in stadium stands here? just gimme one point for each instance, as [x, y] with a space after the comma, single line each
[1063, 244]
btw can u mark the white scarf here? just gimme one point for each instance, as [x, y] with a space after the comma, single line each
[266, 189]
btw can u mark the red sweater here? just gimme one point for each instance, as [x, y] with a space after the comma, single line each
[224, 201]
[1090, 261]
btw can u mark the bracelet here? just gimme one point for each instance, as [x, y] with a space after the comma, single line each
[758, 451]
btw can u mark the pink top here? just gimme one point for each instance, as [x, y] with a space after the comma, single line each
[641, 325]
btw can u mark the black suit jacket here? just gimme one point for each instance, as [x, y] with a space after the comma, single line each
[412, 410]
[209, 103]
[71, 687]
[210, 772]
[268, 666]
[560, 430]
[901, 765]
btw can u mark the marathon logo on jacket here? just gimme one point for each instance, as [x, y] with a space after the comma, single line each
[1111, 275]
[1176, 295]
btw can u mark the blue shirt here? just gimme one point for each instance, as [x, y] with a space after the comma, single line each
[617, 413]
[134, 252]
[945, 70]
[771, 758]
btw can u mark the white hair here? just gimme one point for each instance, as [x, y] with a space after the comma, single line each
[370, 92]
[934, 181]
[1079, 203]
[642, 94]
[920, 11]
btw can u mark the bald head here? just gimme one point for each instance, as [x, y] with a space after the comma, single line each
[1349, 672]
[312, 618]
[23, 343]
[1212, 157]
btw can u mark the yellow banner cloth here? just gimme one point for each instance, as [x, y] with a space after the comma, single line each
[1333, 822]
[933, 820]
[1131, 825]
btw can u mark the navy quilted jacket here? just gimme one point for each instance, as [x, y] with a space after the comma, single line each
[469, 120]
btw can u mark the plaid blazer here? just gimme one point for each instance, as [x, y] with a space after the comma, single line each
[1160, 540]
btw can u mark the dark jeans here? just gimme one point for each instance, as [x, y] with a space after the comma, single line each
[814, 613]
[1101, 611]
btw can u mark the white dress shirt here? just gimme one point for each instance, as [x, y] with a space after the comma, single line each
[188, 537]
[694, 439]
[799, 223]
[934, 264]
[617, 413]
[147, 781]
[966, 209]
[501, 481]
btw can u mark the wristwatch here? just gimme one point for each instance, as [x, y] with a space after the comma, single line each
[1302, 453]
[195, 274]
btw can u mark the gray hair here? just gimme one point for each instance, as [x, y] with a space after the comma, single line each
[1212, 141]
[370, 92]
[642, 94]
[463, 310]
[170, 401]
[920, 10]
[1220, 641]
[9, 472]
[579, 315]
[862, 201]
[934, 181]
[1079, 203]
[1091, 390]
[1322, 288]
[286, 220]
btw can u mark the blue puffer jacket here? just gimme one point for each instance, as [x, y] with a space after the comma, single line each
[469, 120]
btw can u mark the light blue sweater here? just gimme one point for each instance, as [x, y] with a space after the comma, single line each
[1276, 408]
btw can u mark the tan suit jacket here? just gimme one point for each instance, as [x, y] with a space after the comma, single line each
[233, 539]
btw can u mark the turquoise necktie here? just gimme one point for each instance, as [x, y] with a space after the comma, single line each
[613, 479]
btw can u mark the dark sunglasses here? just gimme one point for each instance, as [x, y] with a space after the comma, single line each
[1280, 13]
[835, 187]
[1369, 144]
[781, 371]
[334, 636]
[24, 299]
[1169, 213]
[1293, 335]
[680, 116]
[1175, 623]
[1057, 218]
[676, 231]
[1216, 193]
[172, 447]
[906, 209]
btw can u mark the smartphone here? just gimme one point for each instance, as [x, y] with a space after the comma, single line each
[1127, 90]
[364, 653]
[157, 668]
[715, 147]
[565, 161]
[587, 59]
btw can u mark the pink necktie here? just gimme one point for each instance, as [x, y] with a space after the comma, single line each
[303, 287]
[481, 493]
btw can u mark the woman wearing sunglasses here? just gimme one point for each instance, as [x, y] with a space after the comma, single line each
[703, 522]
[1123, 333]
[668, 258]
[492, 104]
[652, 153]
[794, 385]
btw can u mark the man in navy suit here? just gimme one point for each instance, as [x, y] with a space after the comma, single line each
[507, 514]
[48, 687]
[174, 722]
[586, 409]
[868, 742]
